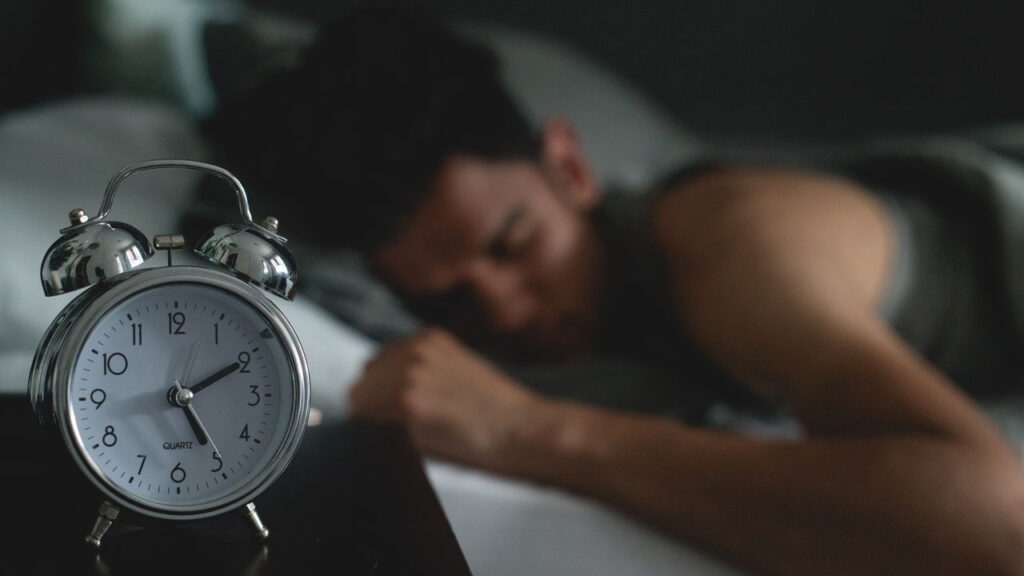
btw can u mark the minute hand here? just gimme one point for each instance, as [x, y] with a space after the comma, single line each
[214, 377]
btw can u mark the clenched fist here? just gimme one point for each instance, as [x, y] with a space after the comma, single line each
[455, 404]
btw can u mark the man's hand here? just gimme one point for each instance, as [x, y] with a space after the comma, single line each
[454, 403]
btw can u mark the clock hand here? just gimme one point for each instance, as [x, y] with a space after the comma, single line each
[183, 396]
[195, 417]
[184, 399]
[191, 363]
[215, 377]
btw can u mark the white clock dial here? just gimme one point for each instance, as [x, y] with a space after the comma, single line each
[181, 395]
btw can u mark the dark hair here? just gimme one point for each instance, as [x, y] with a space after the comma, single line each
[383, 96]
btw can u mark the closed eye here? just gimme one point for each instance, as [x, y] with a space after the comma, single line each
[513, 236]
[519, 244]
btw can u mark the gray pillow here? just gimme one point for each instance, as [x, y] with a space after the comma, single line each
[338, 280]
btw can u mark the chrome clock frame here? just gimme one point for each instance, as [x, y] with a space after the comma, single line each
[52, 367]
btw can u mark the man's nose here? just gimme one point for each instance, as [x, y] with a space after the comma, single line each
[503, 295]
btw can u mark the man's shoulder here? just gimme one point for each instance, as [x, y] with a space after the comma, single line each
[714, 212]
[692, 217]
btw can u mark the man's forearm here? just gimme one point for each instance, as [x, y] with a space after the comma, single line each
[901, 504]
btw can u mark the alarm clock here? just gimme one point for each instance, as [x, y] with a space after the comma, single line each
[181, 392]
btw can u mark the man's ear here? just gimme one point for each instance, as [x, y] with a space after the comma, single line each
[565, 162]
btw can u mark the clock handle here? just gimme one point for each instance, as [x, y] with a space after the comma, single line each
[115, 181]
[92, 249]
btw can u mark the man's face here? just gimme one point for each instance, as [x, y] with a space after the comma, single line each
[501, 252]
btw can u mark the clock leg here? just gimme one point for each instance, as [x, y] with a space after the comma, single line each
[261, 531]
[106, 516]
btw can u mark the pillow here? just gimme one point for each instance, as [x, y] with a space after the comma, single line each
[58, 157]
[153, 49]
[629, 138]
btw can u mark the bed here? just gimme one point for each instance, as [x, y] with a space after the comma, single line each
[58, 155]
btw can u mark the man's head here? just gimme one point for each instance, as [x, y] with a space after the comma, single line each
[501, 251]
[465, 209]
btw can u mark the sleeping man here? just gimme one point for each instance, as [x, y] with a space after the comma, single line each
[820, 286]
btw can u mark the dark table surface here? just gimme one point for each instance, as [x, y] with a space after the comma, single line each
[354, 501]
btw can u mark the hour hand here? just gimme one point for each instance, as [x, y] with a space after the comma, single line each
[215, 377]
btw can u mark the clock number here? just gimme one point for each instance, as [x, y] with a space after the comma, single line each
[141, 464]
[109, 438]
[220, 463]
[245, 433]
[175, 322]
[243, 359]
[254, 390]
[178, 473]
[136, 334]
[98, 397]
[115, 363]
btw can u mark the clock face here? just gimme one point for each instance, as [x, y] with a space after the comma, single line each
[181, 396]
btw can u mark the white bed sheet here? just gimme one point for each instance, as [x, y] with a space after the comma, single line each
[509, 527]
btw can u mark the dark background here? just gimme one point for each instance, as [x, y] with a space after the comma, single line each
[789, 69]
[727, 69]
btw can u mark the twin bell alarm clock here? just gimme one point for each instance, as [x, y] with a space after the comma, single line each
[181, 392]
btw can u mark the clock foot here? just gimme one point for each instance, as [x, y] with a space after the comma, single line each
[104, 518]
[261, 531]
